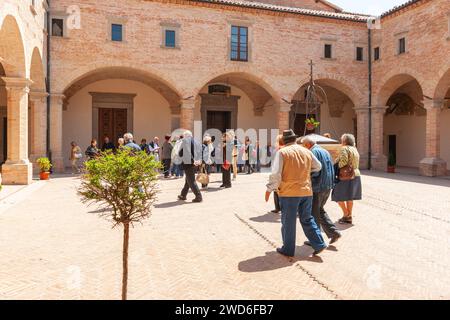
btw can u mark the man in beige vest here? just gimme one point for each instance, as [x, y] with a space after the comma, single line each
[291, 178]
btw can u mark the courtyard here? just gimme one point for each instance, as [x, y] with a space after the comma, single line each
[55, 247]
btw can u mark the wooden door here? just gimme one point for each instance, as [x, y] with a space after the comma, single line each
[220, 120]
[112, 123]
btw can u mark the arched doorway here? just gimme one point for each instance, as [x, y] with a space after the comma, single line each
[237, 100]
[404, 121]
[3, 118]
[335, 113]
[114, 100]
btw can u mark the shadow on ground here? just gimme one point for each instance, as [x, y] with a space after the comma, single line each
[268, 217]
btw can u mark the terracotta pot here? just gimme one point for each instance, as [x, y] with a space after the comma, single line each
[310, 127]
[44, 175]
[391, 169]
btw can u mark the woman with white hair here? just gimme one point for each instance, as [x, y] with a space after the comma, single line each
[348, 188]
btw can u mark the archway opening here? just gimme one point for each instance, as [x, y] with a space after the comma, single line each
[112, 101]
[335, 111]
[12, 53]
[237, 101]
[404, 121]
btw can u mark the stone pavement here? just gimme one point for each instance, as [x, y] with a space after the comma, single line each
[54, 247]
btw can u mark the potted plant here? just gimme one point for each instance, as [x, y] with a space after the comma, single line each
[44, 165]
[311, 124]
[391, 163]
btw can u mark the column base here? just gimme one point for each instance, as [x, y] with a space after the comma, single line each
[17, 174]
[58, 165]
[379, 163]
[364, 162]
[433, 167]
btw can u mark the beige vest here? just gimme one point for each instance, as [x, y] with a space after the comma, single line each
[296, 174]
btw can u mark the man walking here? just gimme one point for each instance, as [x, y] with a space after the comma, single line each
[322, 183]
[291, 177]
[166, 155]
[191, 155]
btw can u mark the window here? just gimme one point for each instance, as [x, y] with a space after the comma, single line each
[57, 27]
[328, 51]
[376, 53]
[170, 38]
[239, 43]
[116, 32]
[401, 45]
[359, 54]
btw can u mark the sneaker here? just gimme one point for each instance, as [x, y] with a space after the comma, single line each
[335, 238]
[197, 200]
[280, 251]
[317, 252]
[181, 198]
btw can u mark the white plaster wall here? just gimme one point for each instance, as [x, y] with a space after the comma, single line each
[445, 136]
[151, 113]
[410, 131]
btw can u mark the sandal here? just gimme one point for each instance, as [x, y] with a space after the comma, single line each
[346, 220]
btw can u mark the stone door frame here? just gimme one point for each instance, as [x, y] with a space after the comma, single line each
[111, 101]
[214, 102]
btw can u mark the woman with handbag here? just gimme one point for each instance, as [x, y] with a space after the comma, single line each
[227, 153]
[75, 156]
[348, 187]
[207, 156]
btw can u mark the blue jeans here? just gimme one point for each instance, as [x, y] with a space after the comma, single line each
[178, 169]
[302, 206]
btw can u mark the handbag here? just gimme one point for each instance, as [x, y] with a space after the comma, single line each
[203, 177]
[347, 172]
[78, 155]
[226, 165]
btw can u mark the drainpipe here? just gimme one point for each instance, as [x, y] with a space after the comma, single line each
[370, 99]
[48, 79]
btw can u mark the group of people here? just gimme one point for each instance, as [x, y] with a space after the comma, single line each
[303, 177]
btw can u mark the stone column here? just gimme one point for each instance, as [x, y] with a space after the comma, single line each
[362, 120]
[379, 160]
[433, 165]
[187, 114]
[17, 168]
[38, 103]
[56, 133]
[283, 116]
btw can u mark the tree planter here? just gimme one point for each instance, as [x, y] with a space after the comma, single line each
[44, 175]
[310, 127]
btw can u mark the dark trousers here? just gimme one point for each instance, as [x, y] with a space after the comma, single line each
[226, 177]
[276, 201]
[166, 166]
[190, 183]
[321, 216]
[248, 167]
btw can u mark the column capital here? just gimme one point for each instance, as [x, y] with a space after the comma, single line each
[17, 83]
[285, 106]
[57, 98]
[379, 109]
[37, 96]
[361, 109]
[188, 103]
[431, 104]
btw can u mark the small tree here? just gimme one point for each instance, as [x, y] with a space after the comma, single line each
[124, 187]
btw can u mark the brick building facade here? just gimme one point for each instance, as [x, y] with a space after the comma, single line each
[153, 66]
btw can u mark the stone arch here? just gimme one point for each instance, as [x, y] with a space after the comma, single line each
[336, 112]
[12, 51]
[252, 77]
[443, 85]
[392, 81]
[348, 87]
[37, 74]
[88, 75]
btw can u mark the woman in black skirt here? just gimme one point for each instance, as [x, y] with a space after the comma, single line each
[347, 191]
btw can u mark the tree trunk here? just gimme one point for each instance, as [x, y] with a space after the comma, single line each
[126, 238]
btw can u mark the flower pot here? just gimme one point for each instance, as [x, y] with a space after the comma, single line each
[310, 127]
[44, 175]
[391, 169]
